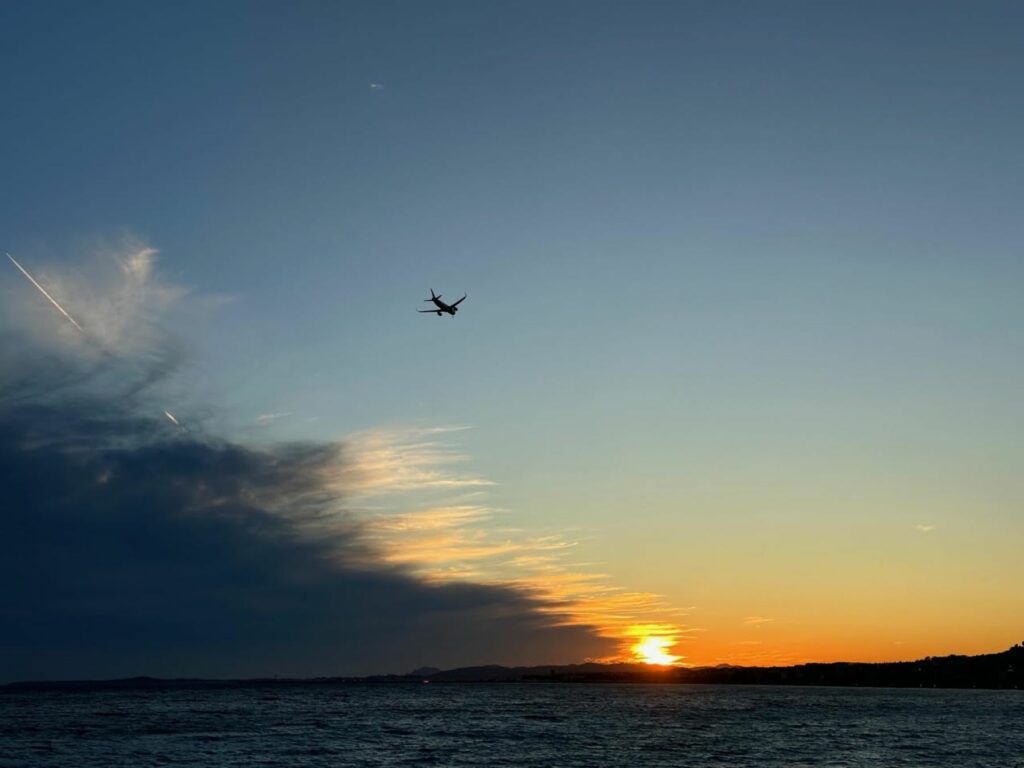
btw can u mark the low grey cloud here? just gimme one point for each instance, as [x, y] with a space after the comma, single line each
[129, 546]
[125, 552]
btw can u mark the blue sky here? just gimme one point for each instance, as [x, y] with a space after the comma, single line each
[737, 272]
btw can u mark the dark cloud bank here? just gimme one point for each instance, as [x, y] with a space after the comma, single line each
[130, 548]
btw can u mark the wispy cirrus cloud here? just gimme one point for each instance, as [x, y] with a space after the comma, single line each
[119, 342]
[432, 515]
[391, 461]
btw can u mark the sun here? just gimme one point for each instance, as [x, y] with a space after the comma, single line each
[654, 650]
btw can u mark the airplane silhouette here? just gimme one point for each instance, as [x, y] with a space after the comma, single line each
[440, 306]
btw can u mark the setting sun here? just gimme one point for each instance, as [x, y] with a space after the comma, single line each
[654, 650]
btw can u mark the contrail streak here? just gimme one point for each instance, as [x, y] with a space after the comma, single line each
[43, 291]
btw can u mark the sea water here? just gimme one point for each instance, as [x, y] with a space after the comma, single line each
[512, 725]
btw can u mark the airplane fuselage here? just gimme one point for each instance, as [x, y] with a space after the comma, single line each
[440, 307]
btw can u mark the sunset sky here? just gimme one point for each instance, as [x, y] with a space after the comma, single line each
[738, 378]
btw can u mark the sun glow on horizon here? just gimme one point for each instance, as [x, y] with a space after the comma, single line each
[654, 650]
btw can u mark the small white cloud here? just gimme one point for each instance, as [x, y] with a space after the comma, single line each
[265, 418]
[925, 528]
[376, 87]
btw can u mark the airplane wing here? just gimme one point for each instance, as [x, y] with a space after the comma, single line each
[431, 311]
[459, 301]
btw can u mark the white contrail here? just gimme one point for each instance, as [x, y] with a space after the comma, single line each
[170, 416]
[43, 291]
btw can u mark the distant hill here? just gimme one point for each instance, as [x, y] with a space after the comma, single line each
[993, 670]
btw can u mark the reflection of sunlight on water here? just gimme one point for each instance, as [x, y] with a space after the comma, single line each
[528, 725]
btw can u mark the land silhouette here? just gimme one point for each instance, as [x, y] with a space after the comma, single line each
[1004, 670]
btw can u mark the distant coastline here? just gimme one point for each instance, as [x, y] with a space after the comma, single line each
[1003, 670]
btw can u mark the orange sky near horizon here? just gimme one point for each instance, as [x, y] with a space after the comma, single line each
[875, 589]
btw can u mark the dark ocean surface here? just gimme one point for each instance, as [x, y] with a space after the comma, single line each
[513, 725]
